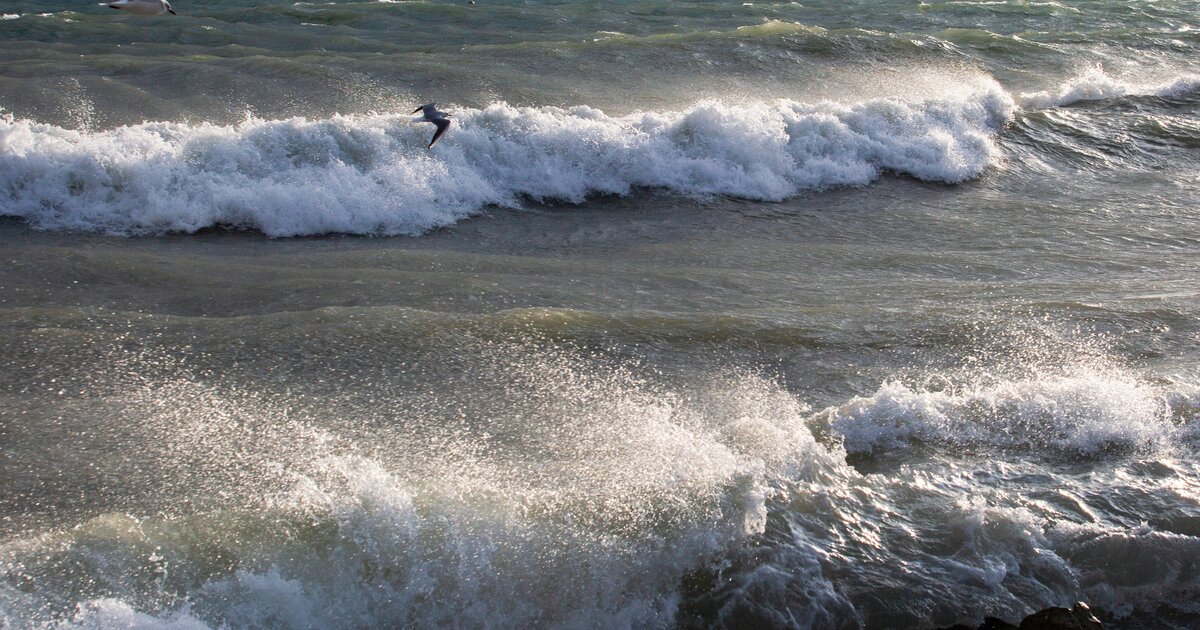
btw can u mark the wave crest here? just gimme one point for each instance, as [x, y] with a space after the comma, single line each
[1095, 85]
[372, 174]
[1085, 413]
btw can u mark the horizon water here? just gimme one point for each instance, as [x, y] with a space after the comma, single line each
[701, 314]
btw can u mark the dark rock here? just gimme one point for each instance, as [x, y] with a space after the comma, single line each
[1079, 617]
[1051, 619]
[1083, 615]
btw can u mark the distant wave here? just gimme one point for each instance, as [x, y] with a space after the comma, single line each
[373, 175]
[1095, 85]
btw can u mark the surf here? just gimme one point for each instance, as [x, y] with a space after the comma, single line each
[371, 174]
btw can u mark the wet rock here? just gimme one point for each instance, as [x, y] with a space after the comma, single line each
[1083, 614]
[1078, 617]
[1050, 619]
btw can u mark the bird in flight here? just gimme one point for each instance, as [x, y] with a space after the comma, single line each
[441, 120]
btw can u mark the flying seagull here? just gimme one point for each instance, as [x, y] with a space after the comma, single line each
[141, 7]
[441, 120]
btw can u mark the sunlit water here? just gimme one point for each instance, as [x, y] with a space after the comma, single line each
[830, 314]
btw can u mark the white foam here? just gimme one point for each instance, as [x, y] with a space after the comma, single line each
[373, 175]
[109, 613]
[1085, 412]
[590, 496]
[1096, 85]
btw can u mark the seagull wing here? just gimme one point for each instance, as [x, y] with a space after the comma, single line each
[442, 125]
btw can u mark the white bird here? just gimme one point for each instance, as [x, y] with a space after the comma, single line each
[441, 120]
[141, 7]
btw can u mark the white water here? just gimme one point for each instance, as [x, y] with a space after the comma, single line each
[1084, 413]
[1095, 85]
[590, 496]
[601, 495]
[372, 174]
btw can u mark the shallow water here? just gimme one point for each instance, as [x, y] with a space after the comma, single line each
[702, 314]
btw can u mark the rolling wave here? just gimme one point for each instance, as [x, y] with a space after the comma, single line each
[1095, 85]
[372, 174]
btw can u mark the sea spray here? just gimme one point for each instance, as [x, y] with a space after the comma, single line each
[575, 495]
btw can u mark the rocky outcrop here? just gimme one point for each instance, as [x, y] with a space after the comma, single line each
[1078, 617]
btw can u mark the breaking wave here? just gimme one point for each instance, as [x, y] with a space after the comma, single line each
[585, 506]
[1095, 85]
[373, 175]
[573, 493]
[1085, 412]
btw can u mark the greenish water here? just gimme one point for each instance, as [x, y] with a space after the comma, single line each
[829, 315]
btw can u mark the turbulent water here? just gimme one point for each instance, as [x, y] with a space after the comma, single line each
[832, 314]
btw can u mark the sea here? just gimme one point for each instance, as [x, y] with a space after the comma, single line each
[702, 314]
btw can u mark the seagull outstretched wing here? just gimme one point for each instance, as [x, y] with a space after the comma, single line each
[442, 125]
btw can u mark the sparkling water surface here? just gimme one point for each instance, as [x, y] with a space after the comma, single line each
[702, 314]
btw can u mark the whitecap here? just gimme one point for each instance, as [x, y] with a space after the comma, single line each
[373, 175]
[1095, 85]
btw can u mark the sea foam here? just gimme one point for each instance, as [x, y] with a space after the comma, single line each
[1087, 413]
[373, 175]
[1096, 85]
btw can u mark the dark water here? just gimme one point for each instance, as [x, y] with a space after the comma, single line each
[853, 314]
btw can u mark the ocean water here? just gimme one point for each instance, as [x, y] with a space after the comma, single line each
[819, 314]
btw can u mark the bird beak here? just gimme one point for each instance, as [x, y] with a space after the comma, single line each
[416, 110]
[172, 12]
